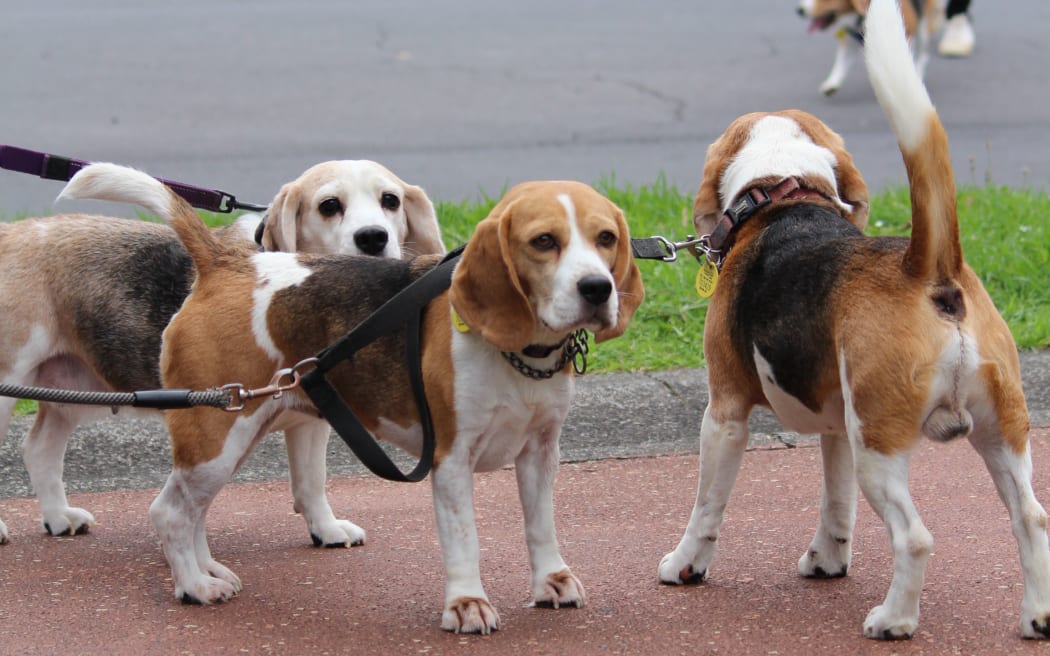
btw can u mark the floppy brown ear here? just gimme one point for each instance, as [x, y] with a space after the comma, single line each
[851, 186]
[424, 233]
[486, 291]
[629, 288]
[282, 220]
[707, 206]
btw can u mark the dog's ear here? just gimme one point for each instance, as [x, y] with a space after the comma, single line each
[707, 206]
[850, 183]
[424, 233]
[282, 220]
[628, 278]
[486, 291]
[860, 6]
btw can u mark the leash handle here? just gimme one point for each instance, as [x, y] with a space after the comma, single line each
[57, 167]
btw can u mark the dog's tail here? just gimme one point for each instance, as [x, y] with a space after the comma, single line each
[934, 253]
[121, 184]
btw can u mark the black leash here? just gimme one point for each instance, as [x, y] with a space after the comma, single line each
[57, 167]
[404, 309]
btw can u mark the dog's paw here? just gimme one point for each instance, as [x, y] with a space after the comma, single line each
[559, 589]
[675, 570]
[818, 563]
[5, 537]
[1035, 625]
[68, 521]
[207, 590]
[470, 615]
[882, 624]
[829, 88]
[339, 533]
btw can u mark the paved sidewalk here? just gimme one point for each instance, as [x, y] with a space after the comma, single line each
[622, 499]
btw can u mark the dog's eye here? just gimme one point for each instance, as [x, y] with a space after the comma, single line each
[330, 207]
[606, 239]
[389, 201]
[544, 242]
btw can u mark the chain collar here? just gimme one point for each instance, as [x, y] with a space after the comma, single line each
[575, 351]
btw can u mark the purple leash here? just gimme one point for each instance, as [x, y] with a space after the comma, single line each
[56, 167]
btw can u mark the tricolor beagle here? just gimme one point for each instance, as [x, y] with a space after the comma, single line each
[873, 343]
[551, 258]
[85, 298]
[921, 19]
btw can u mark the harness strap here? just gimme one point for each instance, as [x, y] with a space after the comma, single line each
[404, 309]
[56, 167]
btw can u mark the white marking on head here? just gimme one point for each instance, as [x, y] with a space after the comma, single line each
[777, 147]
[274, 272]
[578, 259]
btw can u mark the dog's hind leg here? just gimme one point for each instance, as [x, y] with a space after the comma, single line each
[7, 406]
[307, 451]
[44, 451]
[722, 446]
[830, 551]
[1004, 446]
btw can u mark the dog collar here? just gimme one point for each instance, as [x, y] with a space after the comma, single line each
[746, 205]
[574, 349]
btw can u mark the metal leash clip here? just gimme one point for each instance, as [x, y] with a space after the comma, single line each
[275, 389]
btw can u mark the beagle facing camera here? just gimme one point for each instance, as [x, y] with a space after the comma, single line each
[874, 343]
[550, 259]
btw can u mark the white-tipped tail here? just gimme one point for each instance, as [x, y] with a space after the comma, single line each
[893, 75]
[104, 181]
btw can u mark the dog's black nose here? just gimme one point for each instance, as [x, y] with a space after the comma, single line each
[371, 240]
[595, 289]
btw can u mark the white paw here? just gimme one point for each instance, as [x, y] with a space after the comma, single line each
[825, 563]
[338, 533]
[676, 570]
[68, 521]
[470, 615]
[1035, 624]
[829, 88]
[882, 624]
[5, 537]
[559, 589]
[207, 590]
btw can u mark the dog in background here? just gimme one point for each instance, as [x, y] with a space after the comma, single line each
[921, 20]
[85, 299]
[550, 259]
[873, 343]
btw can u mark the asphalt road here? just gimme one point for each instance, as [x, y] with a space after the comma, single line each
[472, 95]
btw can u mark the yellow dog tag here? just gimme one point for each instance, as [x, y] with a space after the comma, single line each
[706, 279]
[458, 322]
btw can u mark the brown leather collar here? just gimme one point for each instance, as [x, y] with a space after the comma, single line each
[747, 204]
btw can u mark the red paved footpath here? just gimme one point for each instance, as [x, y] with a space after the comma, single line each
[108, 592]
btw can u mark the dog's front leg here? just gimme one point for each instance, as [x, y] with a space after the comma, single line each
[467, 607]
[722, 446]
[307, 453]
[884, 481]
[830, 551]
[553, 583]
[1012, 473]
[845, 53]
[43, 452]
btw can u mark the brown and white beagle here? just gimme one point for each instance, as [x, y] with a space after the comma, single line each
[84, 300]
[873, 343]
[922, 18]
[551, 258]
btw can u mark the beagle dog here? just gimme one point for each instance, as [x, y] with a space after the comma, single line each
[871, 342]
[921, 20]
[85, 298]
[550, 259]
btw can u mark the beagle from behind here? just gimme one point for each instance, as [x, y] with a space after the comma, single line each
[921, 19]
[874, 343]
[550, 259]
[85, 298]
